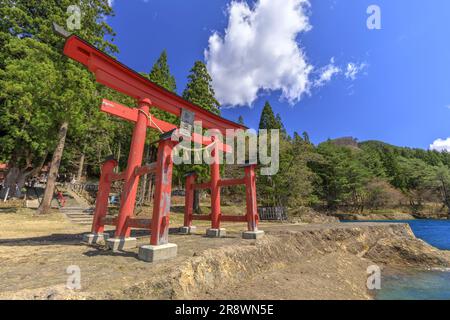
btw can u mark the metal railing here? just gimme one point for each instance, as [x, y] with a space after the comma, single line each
[87, 191]
[272, 213]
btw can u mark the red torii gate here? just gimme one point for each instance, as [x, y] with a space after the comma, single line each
[117, 76]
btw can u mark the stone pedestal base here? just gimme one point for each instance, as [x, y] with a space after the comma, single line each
[119, 244]
[95, 238]
[187, 230]
[216, 233]
[157, 253]
[253, 235]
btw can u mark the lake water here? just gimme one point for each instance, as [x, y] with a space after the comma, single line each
[434, 232]
[425, 285]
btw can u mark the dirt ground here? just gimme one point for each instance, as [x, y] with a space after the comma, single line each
[290, 262]
[323, 278]
[35, 252]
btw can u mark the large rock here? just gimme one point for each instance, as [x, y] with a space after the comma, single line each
[407, 251]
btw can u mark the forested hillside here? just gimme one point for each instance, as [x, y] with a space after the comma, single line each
[347, 175]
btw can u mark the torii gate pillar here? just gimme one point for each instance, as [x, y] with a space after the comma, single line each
[160, 248]
[215, 231]
[122, 239]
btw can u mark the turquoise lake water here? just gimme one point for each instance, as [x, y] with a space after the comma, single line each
[427, 285]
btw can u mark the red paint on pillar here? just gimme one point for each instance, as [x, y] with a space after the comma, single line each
[163, 192]
[104, 188]
[215, 190]
[252, 206]
[128, 197]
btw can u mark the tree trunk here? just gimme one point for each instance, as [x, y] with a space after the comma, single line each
[16, 177]
[117, 169]
[150, 190]
[145, 177]
[197, 208]
[45, 206]
[152, 153]
[80, 168]
[11, 183]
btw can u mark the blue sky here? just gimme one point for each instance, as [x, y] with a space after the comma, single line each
[399, 92]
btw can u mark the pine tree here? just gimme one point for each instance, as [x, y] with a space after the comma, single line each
[58, 100]
[297, 137]
[161, 75]
[199, 89]
[268, 120]
[281, 126]
[266, 184]
[306, 137]
[241, 120]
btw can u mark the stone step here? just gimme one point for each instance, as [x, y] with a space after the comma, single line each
[75, 214]
[72, 209]
[80, 219]
[79, 215]
[82, 222]
[76, 211]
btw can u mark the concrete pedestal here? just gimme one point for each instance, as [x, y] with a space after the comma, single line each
[119, 244]
[216, 233]
[95, 238]
[187, 230]
[253, 235]
[151, 253]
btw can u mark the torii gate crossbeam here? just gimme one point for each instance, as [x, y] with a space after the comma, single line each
[113, 74]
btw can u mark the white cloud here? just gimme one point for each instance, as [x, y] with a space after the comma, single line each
[259, 51]
[326, 73]
[440, 145]
[353, 69]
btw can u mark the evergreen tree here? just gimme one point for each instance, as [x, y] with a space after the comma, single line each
[241, 120]
[199, 89]
[297, 138]
[268, 120]
[161, 75]
[306, 137]
[58, 100]
[280, 125]
[342, 177]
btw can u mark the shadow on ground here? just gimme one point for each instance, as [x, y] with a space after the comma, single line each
[68, 239]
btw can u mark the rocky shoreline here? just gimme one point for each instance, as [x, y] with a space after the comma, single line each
[375, 216]
[310, 261]
[306, 215]
[389, 216]
[334, 256]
